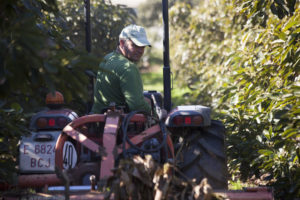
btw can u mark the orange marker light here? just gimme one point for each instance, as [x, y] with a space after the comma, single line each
[54, 98]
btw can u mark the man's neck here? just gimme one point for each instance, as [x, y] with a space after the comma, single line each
[118, 50]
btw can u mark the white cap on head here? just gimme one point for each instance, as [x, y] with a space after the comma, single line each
[136, 34]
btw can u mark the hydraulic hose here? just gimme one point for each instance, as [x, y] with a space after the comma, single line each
[127, 139]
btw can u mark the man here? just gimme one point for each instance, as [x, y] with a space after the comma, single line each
[120, 81]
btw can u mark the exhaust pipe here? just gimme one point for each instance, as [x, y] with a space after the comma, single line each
[166, 69]
[87, 23]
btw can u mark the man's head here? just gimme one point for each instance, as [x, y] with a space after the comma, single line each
[133, 40]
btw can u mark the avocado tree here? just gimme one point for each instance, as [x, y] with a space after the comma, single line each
[242, 58]
[42, 50]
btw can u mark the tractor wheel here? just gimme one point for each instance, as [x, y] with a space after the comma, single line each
[82, 172]
[201, 154]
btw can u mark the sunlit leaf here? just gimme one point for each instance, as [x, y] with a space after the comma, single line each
[290, 132]
[265, 152]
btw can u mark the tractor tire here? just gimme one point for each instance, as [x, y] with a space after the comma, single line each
[80, 175]
[202, 155]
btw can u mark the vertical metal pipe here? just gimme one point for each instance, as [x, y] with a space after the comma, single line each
[87, 13]
[88, 47]
[166, 69]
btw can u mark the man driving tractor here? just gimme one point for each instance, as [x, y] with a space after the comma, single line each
[119, 80]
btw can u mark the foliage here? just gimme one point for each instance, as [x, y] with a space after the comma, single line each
[40, 53]
[153, 81]
[12, 125]
[151, 12]
[242, 58]
[35, 35]
[107, 21]
[143, 178]
[36, 58]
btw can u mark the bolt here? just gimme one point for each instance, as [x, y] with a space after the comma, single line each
[93, 182]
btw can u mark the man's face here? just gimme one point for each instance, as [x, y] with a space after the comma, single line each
[132, 51]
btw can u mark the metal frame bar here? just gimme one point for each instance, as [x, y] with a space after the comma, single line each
[166, 69]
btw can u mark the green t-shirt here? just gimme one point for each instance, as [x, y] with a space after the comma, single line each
[120, 82]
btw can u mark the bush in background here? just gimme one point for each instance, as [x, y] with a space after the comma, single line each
[40, 52]
[242, 59]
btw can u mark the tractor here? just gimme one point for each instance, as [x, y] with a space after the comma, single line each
[93, 144]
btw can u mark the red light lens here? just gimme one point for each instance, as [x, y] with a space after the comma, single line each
[41, 122]
[188, 120]
[178, 120]
[62, 122]
[51, 122]
[197, 120]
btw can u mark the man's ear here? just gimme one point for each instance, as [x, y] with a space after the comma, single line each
[122, 42]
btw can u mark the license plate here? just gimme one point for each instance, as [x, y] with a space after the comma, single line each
[37, 156]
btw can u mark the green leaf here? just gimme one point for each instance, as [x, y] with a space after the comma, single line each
[297, 111]
[285, 54]
[281, 35]
[267, 134]
[297, 30]
[289, 25]
[50, 68]
[295, 159]
[265, 152]
[289, 133]
[17, 107]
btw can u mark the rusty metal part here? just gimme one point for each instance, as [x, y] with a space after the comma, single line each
[109, 143]
[87, 119]
[112, 121]
[38, 180]
[138, 139]
[101, 118]
[84, 140]
[76, 135]
[138, 118]
[170, 145]
[70, 131]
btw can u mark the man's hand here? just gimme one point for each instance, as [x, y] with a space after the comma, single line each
[161, 113]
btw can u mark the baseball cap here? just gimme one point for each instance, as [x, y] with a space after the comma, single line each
[136, 34]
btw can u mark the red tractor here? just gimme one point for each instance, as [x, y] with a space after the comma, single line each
[93, 144]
